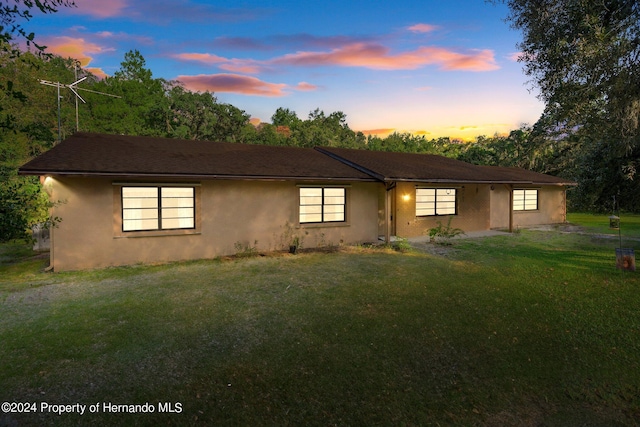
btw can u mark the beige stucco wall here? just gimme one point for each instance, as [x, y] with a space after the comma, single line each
[259, 214]
[551, 209]
[480, 207]
[473, 210]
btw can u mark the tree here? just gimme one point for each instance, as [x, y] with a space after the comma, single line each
[285, 117]
[584, 56]
[13, 13]
[142, 107]
[24, 130]
[191, 115]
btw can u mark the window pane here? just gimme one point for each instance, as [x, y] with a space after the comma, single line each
[173, 223]
[334, 217]
[435, 201]
[334, 200]
[310, 192]
[425, 210]
[177, 192]
[178, 207]
[139, 224]
[425, 194]
[334, 192]
[311, 200]
[177, 202]
[141, 208]
[311, 209]
[531, 199]
[525, 200]
[311, 213]
[310, 217]
[139, 192]
[425, 201]
[140, 203]
[322, 204]
[140, 214]
[177, 213]
[333, 213]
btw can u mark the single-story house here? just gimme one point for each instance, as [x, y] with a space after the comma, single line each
[128, 199]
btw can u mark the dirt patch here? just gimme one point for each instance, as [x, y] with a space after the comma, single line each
[434, 249]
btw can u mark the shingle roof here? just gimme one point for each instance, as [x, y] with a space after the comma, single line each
[92, 154]
[390, 166]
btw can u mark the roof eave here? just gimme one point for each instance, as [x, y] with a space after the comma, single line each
[189, 176]
[472, 181]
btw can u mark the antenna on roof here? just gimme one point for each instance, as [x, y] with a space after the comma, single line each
[73, 87]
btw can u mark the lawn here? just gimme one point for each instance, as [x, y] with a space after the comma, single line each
[535, 328]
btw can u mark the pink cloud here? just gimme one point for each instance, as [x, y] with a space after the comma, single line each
[366, 55]
[76, 48]
[306, 87]
[205, 58]
[376, 56]
[164, 11]
[475, 60]
[98, 72]
[233, 83]
[100, 8]
[422, 28]
[120, 36]
[515, 56]
[233, 65]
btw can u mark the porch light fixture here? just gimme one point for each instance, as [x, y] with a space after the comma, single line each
[406, 197]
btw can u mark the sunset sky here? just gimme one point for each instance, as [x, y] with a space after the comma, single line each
[429, 67]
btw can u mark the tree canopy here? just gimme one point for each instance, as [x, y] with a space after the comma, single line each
[584, 57]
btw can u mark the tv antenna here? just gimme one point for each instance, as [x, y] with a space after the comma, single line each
[73, 87]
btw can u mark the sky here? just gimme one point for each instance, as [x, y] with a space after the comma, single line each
[429, 67]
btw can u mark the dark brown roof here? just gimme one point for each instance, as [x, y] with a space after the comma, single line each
[516, 175]
[91, 154]
[390, 166]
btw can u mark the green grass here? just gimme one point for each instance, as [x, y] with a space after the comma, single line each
[536, 328]
[629, 223]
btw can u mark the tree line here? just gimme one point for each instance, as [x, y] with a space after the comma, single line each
[584, 60]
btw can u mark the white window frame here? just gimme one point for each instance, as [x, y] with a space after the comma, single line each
[434, 201]
[154, 208]
[321, 205]
[526, 199]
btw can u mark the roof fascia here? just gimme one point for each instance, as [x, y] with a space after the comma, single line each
[191, 176]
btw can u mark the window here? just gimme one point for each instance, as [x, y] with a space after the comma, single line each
[158, 208]
[322, 204]
[525, 200]
[435, 201]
